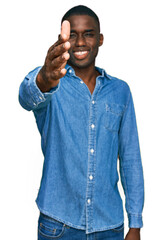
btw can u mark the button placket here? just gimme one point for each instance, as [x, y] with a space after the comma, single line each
[91, 166]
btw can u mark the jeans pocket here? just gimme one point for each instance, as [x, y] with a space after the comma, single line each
[49, 228]
[118, 229]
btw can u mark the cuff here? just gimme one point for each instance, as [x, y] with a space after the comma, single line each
[135, 221]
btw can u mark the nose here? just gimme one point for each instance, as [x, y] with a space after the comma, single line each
[80, 41]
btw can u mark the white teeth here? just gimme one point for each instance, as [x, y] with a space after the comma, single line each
[80, 53]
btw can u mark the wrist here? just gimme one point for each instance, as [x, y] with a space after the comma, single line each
[134, 230]
[40, 82]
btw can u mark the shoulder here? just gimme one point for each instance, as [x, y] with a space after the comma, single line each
[118, 88]
[119, 83]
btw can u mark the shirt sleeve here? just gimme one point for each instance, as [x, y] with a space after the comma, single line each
[131, 170]
[30, 96]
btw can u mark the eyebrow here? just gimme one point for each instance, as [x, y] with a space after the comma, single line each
[87, 30]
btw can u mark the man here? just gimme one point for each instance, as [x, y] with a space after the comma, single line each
[86, 120]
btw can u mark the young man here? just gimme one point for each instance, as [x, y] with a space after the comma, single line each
[86, 120]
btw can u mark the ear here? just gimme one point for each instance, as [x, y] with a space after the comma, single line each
[101, 39]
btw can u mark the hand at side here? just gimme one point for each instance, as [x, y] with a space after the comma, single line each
[133, 234]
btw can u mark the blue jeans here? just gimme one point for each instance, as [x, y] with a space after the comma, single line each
[51, 229]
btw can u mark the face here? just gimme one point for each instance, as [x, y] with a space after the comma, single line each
[85, 40]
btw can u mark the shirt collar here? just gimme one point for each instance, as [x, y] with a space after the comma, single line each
[70, 71]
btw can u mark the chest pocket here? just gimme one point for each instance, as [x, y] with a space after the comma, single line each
[113, 116]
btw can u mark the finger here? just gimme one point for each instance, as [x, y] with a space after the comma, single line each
[60, 72]
[55, 44]
[65, 30]
[63, 71]
[57, 62]
[58, 50]
[64, 35]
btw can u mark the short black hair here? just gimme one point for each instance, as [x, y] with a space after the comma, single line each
[81, 10]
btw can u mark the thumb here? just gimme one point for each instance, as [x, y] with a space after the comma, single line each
[65, 30]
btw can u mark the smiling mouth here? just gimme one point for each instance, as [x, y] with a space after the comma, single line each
[81, 54]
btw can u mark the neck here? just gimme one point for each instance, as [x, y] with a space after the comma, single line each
[88, 74]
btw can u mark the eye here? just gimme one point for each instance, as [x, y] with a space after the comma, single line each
[89, 34]
[72, 35]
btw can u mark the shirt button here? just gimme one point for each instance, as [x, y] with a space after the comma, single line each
[40, 98]
[89, 201]
[70, 71]
[92, 150]
[93, 102]
[90, 177]
[92, 126]
[81, 82]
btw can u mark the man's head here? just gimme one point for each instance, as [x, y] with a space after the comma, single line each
[81, 10]
[85, 37]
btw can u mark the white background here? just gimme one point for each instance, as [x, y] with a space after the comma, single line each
[132, 51]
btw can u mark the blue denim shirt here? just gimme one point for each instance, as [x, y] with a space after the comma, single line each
[82, 135]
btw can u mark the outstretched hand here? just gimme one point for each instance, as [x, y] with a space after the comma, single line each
[56, 59]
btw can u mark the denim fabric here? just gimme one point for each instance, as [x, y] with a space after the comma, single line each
[82, 135]
[49, 228]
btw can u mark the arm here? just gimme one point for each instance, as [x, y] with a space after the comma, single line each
[39, 85]
[131, 170]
